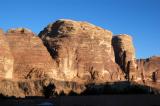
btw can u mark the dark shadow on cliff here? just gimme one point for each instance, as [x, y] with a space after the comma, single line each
[52, 50]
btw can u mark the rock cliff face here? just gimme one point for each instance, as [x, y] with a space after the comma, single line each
[149, 69]
[6, 58]
[81, 51]
[125, 55]
[25, 54]
[68, 56]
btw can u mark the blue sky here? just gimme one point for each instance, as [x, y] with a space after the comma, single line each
[139, 18]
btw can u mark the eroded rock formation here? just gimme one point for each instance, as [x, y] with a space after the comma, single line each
[125, 55]
[6, 58]
[67, 57]
[149, 69]
[29, 58]
[81, 51]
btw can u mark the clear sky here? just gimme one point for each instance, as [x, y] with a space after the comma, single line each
[139, 18]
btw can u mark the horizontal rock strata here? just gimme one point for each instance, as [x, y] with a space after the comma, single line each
[29, 58]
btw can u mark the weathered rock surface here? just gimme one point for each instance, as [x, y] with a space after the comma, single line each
[6, 58]
[31, 59]
[141, 70]
[125, 55]
[72, 57]
[149, 69]
[82, 52]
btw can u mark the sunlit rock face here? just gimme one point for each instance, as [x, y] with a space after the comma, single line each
[6, 58]
[125, 55]
[149, 69]
[71, 57]
[82, 52]
[31, 58]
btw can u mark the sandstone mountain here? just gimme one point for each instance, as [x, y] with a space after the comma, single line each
[81, 51]
[67, 56]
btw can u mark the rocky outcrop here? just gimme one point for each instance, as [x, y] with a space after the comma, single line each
[141, 70]
[31, 59]
[72, 57]
[82, 52]
[6, 58]
[125, 55]
[149, 69]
